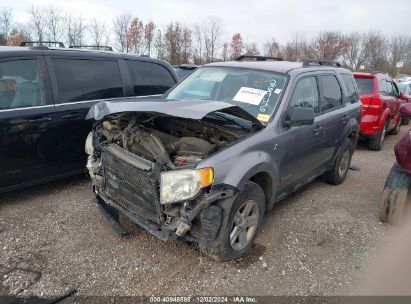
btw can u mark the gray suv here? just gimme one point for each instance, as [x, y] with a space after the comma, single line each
[220, 148]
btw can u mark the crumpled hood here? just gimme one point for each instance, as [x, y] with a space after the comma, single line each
[177, 108]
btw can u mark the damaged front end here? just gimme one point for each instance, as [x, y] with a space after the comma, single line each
[145, 165]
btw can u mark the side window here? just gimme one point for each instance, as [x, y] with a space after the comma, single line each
[84, 79]
[306, 94]
[383, 87]
[390, 89]
[20, 84]
[149, 78]
[330, 91]
[352, 91]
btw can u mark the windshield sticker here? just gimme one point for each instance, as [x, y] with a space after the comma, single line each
[215, 75]
[250, 95]
[263, 117]
[277, 91]
[266, 99]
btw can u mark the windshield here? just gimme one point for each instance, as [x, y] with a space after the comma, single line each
[257, 92]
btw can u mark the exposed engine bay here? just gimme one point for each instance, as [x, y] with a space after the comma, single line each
[129, 153]
[170, 142]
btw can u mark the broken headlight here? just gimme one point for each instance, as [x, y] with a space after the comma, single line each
[88, 147]
[180, 185]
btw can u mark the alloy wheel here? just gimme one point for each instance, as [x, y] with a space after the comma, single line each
[245, 225]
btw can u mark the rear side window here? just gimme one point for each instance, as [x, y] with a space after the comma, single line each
[306, 94]
[149, 78]
[383, 87]
[365, 85]
[330, 91]
[83, 79]
[20, 84]
[351, 87]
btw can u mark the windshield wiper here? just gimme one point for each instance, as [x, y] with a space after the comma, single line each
[230, 120]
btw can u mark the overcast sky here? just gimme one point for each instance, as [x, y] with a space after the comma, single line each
[256, 20]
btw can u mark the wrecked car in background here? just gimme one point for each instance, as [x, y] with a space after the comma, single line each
[208, 159]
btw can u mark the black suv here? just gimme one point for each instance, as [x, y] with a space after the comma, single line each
[225, 144]
[45, 94]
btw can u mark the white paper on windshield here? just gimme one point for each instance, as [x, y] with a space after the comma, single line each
[277, 91]
[249, 95]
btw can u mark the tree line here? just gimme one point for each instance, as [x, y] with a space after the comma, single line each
[202, 43]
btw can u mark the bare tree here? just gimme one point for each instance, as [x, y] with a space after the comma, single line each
[375, 45]
[121, 25]
[149, 35]
[54, 23]
[329, 45]
[198, 44]
[76, 30]
[251, 49]
[98, 32]
[159, 45]
[399, 48]
[212, 32]
[6, 15]
[272, 48]
[38, 23]
[355, 55]
[225, 52]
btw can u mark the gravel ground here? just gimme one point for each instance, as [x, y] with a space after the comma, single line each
[318, 241]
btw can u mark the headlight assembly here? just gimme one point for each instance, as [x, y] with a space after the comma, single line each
[180, 185]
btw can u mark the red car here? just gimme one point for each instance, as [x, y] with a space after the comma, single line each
[393, 203]
[381, 104]
[405, 93]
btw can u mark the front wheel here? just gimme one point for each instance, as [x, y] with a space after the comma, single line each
[394, 197]
[339, 171]
[244, 221]
[396, 129]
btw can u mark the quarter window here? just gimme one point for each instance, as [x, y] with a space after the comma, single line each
[149, 78]
[306, 94]
[352, 91]
[20, 84]
[82, 79]
[331, 92]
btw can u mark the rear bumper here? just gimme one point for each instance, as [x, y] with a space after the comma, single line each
[370, 125]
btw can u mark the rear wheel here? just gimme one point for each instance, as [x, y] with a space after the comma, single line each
[396, 129]
[405, 120]
[340, 168]
[245, 219]
[377, 142]
[394, 197]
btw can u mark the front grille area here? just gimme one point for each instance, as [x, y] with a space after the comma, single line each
[132, 188]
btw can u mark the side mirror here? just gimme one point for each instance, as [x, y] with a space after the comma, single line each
[406, 109]
[301, 116]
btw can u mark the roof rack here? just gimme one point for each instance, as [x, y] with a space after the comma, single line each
[42, 43]
[310, 62]
[257, 58]
[92, 47]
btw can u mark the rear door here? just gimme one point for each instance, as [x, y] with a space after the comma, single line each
[333, 111]
[79, 83]
[27, 118]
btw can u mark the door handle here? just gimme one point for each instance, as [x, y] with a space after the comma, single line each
[72, 116]
[345, 118]
[42, 119]
[317, 129]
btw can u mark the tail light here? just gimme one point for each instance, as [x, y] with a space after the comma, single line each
[371, 102]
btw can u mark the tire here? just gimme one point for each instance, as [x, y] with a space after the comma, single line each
[340, 168]
[376, 143]
[396, 129]
[405, 121]
[394, 197]
[231, 247]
